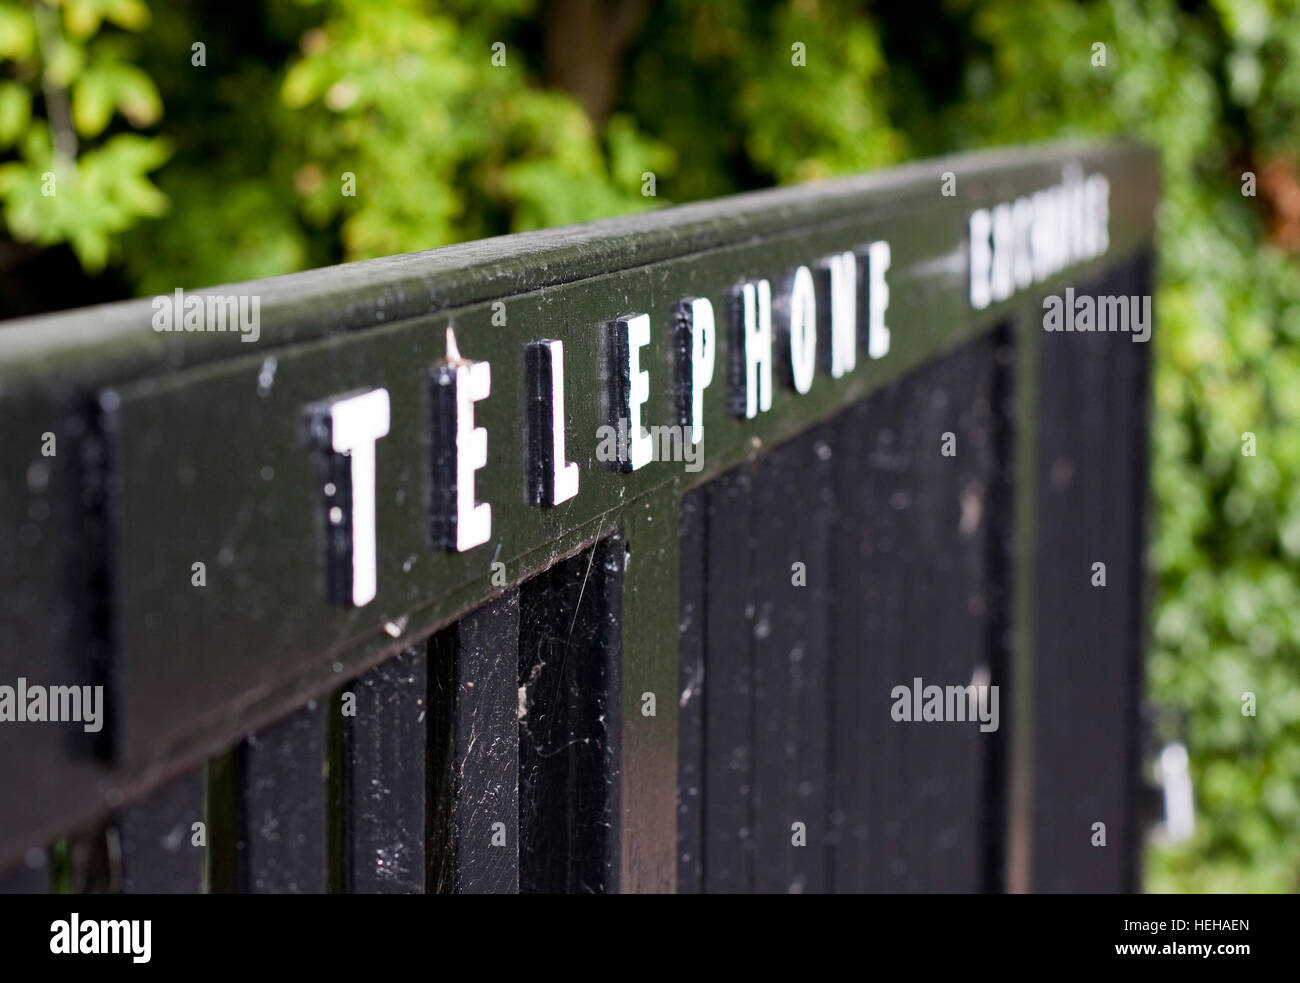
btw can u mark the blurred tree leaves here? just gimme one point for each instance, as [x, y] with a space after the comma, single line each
[56, 187]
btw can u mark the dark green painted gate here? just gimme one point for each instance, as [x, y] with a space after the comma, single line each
[499, 737]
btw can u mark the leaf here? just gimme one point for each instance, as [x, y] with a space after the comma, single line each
[133, 15]
[82, 17]
[11, 175]
[137, 97]
[135, 152]
[64, 63]
[92, 103]
[303, 83]
[17, 32]
[15, 112]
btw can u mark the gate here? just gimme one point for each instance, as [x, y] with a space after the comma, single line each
[621, 557]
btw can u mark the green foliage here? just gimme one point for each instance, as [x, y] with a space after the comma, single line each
[402, 98]
[719, 82]
[50, 199]
[53, 189]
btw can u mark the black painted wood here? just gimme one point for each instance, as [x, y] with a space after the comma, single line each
[1091, 473]
[383, 778]
[184, 447]
[729, 688]
[853, 672]
[1137, 367]
[569, 721]
[925, 582]
[797, 681]
[998, 517]
[790, 544]
[280, 820]
[474, 752]
[157, 839]
[201, 439]
[692, 530]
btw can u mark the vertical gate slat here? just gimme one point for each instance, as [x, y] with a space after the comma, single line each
[1074, 735]
[895, 538]
[921, 545]
[791, 517]
[974, 656]
[383, 786]
[728, 687]
[998, 520]
[889, 572]
[280, 806]
[853, 673]
[474, 752]
[1136, 363]
[569, 703]
[692, 530]
[1091, 450]
[156, 837]
[958, 518]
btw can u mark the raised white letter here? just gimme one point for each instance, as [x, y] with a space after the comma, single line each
[695, 347]
[981, 258]
[749, 362]
[877, 299]
[629, 388]
[344, 431]
[799, 325]
[551, 480]
[837, 311]
[459, 449]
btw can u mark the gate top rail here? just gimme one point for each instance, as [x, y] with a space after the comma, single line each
[110, 342]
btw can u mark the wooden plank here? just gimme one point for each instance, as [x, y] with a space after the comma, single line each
[898, 535]
[384, 777]
[1092, 449]
[728, 688]
[649, 616]
[888, 573]
[1075, 737]
[474, 752]
[1137, 381]
[569, 722]
[280, 806]
[49, 789]
[853, 670]
[156, 838]
[926, 614]
[112, 341]
[791, 702]
[1003, 469]
[693, 601]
